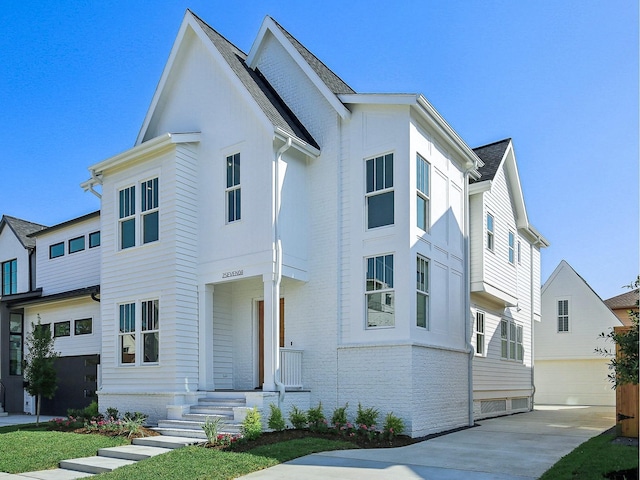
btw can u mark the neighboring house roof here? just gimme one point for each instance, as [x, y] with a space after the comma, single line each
[627, 300]
[65, 224]
[492, 156]
[22, 229]
[331, 80]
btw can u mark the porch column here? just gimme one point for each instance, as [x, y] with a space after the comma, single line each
[271, 331]
[205, 341]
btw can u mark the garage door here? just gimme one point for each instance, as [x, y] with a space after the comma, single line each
[573, 382]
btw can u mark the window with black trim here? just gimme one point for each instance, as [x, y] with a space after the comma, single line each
[62, 329]
[56, 250]
[10, 277]
[94, 239]
[76, 244]
[83, 326]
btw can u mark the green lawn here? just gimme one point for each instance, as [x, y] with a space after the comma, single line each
[593, 459]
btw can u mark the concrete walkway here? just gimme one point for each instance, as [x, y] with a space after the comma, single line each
[521, 446]
[20, 419]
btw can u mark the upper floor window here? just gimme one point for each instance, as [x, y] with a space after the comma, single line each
[379, 196]
[10, 277]
[76, 244]
[563, 315]
[84, 326]
[512, 248]
[94, 239]
[148, 218]
[62, 329]
[233, 193]
[480, 333]
[490, 231]
[422, 287]
[422, 187]
[379, 292]
[519, 252]
[56, 250]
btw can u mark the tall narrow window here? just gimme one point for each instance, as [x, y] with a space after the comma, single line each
[150, 331]
[519, 252]
[127, 216]
[128, 333]
[10, 277]
[504, 338]
[379, 196]
[490, 227]
[422, 295]
[480, 333]
[512, 248]
[15, 344]
[233, 188]
[512, 340]
[422, 187]
[379, 292]
[94, 239]
[149, 209]
[519, 344]
[563, 315]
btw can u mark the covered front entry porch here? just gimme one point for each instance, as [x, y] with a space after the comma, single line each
[243, 338]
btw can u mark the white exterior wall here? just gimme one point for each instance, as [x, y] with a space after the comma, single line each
[10, 249]
[72, 270]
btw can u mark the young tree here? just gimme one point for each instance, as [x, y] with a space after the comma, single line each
[39, 371]
[624, 366]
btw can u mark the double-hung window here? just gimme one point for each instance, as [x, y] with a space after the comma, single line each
[512, 248]
[379, 292]
[480, 333]
[127, 344]
[149, 209]
[150, 331]
[10, 277]
[127, 215]
[422, 294]
[511, 337]
[422, 188]
[233, 191]
[563, 315]
[148, 219]
[139, 332]
[490, 232]
[379, 195]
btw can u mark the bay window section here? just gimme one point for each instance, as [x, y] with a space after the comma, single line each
[380, 296]
[127, 333]
[379, 191]
[422, 187]
[149, 209]
[127, 212]
[422, 294]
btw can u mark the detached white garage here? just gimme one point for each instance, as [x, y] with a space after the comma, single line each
[567, 369]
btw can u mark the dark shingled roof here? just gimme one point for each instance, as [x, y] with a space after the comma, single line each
[261, 91]
[36, 296]
[626, 300]
[491, 155]
[22, 229]
[331, 80]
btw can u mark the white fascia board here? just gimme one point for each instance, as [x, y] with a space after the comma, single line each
[143, 150]
[480, 187]
[380, 98]
[268, 26]
[298, 144]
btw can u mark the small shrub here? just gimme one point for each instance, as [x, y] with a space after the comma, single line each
[392, 426]
[339, 417]
[252, 425]
[137, 416]
[85, 414]
[316, 418]
[113, 413]
[276, 420]
[367, 416]
[211, 428]
[298, 418]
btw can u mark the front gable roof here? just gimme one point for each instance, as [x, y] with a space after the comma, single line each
[264, 98]
[22, 229]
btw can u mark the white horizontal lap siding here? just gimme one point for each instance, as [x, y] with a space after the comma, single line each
[72, 270]
[12, 249]
[498, 272]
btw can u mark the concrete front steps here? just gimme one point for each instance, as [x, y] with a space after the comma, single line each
[108, 459]
[229, 407]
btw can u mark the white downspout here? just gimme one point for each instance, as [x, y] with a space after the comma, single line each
[277, 273]
[467, 297]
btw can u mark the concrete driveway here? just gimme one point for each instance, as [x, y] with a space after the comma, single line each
[521, 446]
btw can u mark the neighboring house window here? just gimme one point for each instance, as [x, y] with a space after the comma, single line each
[422, 187]
[233, 188]
[511, 337]
[83, 326]
[422, 286]
[512, 248]
[519, 252]
[490, 236]
[379, 292]
[10, 277]
[76, 244]
[127, 333]
[56, 250]
[150, 331]
[94, 239]
[62, 329]
[127, 215]
[149, 209]
[15, 344]
[563, 315]
[480, 333]
[379, 196]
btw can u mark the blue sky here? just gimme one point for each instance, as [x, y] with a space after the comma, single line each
[560, 78]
